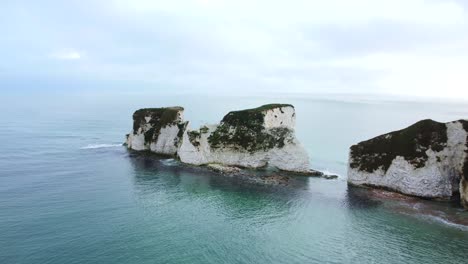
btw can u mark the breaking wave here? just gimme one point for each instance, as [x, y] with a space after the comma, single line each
[169, 162]
[98, 146]
[327, 172]
[442, 220]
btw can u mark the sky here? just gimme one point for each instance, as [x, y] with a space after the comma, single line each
[397, 47]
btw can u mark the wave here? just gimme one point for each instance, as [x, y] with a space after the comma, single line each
[98, 146]
[327, 172]
[445, 221]
[169, 162]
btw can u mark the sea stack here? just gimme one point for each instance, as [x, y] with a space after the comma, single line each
[250, 138]
[158, 130]
[428, 159]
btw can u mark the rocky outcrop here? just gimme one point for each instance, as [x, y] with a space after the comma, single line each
[251, 138]
[158, 130]
[464, 192]
[428, 159]
[464, 177]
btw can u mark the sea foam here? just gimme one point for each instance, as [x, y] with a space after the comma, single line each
[98, 146]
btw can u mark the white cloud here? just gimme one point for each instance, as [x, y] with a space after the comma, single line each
[300, 11]
[67, 55]
[397, 46]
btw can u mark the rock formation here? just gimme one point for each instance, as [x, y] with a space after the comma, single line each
[251, 138]
[158, 130]
[428, 159]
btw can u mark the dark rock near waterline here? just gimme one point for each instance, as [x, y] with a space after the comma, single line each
[224, 169]
[309, 173]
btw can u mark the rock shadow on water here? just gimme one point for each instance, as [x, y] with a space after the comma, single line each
[154, 173]
[360, 198]
[450, 214]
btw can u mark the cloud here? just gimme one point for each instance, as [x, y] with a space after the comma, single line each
[376, 46]
[67, 55]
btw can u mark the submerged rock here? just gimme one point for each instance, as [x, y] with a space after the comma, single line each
[276, 179]
[309, 173]
[223, 169]
[251, 138]
[428, 159]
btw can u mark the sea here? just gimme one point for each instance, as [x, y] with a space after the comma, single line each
[71, 193]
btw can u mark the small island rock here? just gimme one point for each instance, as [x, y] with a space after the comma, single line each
[428, 159]
[250, 138]
[158, 130]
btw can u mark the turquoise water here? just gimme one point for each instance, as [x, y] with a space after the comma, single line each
[70, 194]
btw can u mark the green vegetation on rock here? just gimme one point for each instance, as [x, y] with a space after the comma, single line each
[410, 143]
[159, 118]
[251, 117]
[465, 164]
[194, 137]
[204, 129]
[182, 126]
[244, 130]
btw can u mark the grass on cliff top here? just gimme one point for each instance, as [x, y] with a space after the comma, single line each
[160, 117]
[244, 130]
[251, 117]
[410, 143]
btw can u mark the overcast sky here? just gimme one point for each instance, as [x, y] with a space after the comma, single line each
[407, 47]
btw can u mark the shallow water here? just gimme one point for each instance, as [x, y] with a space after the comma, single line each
[70, 194]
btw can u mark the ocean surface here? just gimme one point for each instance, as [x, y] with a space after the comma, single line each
[71, 193]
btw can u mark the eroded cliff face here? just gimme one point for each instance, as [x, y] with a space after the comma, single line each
[427, 159]
[250, 138]
[158, 130]
[464, 178]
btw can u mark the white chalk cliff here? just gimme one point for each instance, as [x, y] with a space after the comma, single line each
[157, 129]
[428, 159]
[250, 138]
